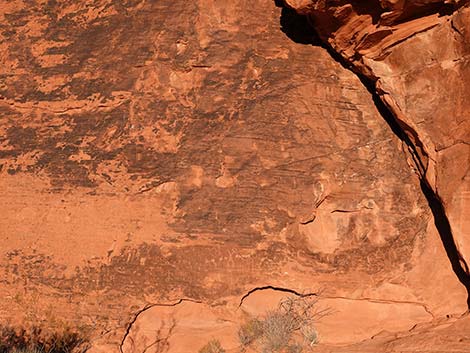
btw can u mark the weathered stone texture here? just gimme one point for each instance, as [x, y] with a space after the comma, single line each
[154, 151]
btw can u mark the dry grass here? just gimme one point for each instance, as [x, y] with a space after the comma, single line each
[213, 346]
[250, 331]
[279, 330]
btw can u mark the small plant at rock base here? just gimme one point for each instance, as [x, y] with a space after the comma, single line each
[295, 348]
[26, 350]
[278, 329]
[37, 340]
[310, 335]
[212, 346]
[250, 331]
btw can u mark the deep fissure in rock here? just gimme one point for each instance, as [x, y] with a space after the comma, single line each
[442, 224]
[279, 289]
[300, 30]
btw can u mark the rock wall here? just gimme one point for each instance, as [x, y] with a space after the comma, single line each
[170, 168]
[415, 55]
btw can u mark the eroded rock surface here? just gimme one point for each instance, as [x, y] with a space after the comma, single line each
[416, 55]
[168, 152]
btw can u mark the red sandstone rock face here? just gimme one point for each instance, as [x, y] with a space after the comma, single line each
[419, 64]
[160, 160]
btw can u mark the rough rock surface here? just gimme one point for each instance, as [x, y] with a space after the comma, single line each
[166, 164]
[416, 55]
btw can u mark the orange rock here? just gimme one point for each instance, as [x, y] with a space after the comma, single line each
[170, 167]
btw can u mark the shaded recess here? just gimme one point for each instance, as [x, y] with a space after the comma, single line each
[442, 223]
